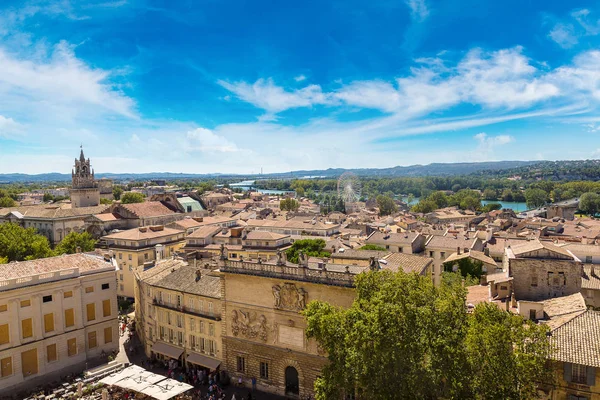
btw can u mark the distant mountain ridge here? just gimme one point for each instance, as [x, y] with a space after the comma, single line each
[435, 169]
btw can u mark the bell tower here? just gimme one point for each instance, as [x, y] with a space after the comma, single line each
[84, 188]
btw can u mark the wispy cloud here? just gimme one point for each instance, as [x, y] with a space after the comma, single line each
[418, 9]
[577, 24]
[60, 79]
[500, 79]
[266, 95]
[300, 78]
[9, 128]
[563, 35]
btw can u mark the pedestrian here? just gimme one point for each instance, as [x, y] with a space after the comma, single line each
[233, 397]
[253, 383]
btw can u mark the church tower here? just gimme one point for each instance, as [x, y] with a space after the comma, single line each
[84, 190]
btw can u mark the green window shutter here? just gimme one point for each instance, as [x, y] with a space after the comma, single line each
[568, 371]
[591, 376]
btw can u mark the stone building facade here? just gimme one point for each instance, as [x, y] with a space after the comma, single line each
[178, 313]
[541, 271]
[84, 191]
[263, 331]
[56, 314]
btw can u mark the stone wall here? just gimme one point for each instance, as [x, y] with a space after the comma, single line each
[538, 279]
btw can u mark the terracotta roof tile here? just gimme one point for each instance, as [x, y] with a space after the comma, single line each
[85, 263]
[578, 341]
[148, 209]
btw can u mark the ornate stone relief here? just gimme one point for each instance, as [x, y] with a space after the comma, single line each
[249, 325]
[289, 297]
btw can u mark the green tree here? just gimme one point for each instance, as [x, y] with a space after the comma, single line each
[310, 247]
[132, 197]
[386, 205]
[589, 203]
[117, 192]
[105, 201]
[507, 355]
[289, 204]
[491, 207]
[466, 266]
[424, 206]
[535, 198]
[404, 338]
[47, 197]
[69, 244]
[20, 244]
[7, 202]
[439, 198]
[507, 195]
[410, 199]
[3, 260]
[300, 191]
[489, 194]
[372, 247]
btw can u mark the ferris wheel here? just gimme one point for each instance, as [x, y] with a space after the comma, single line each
[348, 187]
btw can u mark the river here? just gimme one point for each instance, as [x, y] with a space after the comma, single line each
[514, 205]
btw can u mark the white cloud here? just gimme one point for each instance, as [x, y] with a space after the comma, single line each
[205, 140]
[60, 80]
[563, 35]
[300, 78]
[591, 28]
[418, 9]
[266, 95]
[9, 128]
[492, 141]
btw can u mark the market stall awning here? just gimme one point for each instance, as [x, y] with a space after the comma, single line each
[203, 360]
[166, 389]
[139, 381]
[124, 373]
[167, 350]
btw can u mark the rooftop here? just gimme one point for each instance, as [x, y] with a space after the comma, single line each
[86, 263]
[183, 279]
[406, 262]
[578, 341]
[48, 211]
[147, 209]
[143, 233]
[405, 238]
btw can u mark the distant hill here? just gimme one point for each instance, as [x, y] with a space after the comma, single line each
[436, 169]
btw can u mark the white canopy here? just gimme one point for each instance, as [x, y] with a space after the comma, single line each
[138, 379]
[124, 373]
[166, 389]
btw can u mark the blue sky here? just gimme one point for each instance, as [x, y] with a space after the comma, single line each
[236, 86]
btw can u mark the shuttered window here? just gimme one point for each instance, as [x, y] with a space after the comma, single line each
[68, 294]
[89, 289]
[29, 362]
[108, 335]
[51, 352]
[4, 336]
[106, 308]
[6, 367]
[25, 303]
[69, 317]
[72, 347]
[91, 311]
[48, 322]
[92, 342]
[27, 328]
[3, 307]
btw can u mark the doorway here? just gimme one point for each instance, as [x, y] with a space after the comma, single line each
[291, 381]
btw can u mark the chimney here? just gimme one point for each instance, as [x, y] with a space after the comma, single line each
[458, 250]
[78, 250]
[159, 249]
[592, 271]
[486, 251]
[198, 275]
